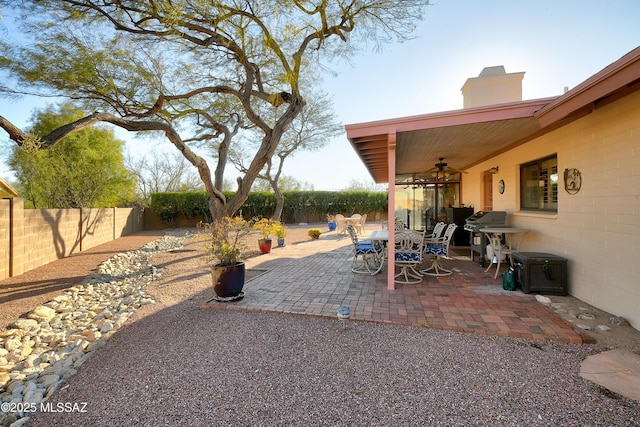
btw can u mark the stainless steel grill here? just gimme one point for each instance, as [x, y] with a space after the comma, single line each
[481, 219]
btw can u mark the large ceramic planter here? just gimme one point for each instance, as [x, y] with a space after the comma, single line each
[228, 281]
[264, 245]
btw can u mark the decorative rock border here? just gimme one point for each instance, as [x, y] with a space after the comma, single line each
[39, 353]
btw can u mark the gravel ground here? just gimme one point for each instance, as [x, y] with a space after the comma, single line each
[218, 367]
[176, 363]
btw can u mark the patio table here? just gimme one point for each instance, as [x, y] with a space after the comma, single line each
[494, 235]
[381, 237]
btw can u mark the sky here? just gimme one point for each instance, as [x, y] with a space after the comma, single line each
[557, 43]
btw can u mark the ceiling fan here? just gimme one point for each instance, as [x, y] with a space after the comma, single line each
[441, 169]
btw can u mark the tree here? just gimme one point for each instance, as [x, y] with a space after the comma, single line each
[285, 183]
[311, 130]
[161, 173]
[195, 70]
[85, 169]
[365, 185]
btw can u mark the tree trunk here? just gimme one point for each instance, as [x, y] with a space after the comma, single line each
[277, 214]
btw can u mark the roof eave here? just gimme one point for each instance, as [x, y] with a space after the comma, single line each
[512, 110]
[623, 73]
[5, 187]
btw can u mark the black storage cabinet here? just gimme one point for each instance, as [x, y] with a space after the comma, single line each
[540, 272]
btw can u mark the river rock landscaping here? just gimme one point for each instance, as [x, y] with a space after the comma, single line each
[39, 352]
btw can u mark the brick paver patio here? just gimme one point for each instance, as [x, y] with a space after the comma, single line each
[314, 278]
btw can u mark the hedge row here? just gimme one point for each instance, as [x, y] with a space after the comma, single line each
[299, 206]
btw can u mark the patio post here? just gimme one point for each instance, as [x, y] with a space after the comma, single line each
[391, 207]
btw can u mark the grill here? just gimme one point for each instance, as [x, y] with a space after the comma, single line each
[483, 219]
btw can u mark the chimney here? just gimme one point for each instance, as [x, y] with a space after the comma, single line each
[492, 86]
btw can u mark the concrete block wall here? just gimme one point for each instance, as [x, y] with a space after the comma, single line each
[596, 229]
[30, 238]
[97, 227]
[46, 235]
[5, 205]
[127, 221]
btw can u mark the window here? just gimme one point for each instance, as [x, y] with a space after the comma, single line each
[539, 185]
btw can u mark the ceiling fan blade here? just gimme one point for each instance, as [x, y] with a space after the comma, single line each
[440, 168]
[457, 170]
[429, 170]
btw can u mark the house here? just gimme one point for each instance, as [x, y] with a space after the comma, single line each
[567, 168]
[6, 190]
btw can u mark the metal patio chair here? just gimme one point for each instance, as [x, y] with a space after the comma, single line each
[360, 225]
[368, 257]
[408, 255]
[341, 224]
[438, 229]
[437, 250]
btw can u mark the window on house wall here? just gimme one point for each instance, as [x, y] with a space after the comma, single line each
[539, 185]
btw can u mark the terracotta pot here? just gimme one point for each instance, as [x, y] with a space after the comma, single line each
[228, 280]
[264, 245]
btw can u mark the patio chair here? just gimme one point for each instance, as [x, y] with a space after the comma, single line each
[437, 250]
[360, 225]
[341, 223]
[400, 225]
[436, 235]
[368, 257]
[355, 221]
[408, 256]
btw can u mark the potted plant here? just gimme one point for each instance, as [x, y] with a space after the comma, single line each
[281, 233]
[224, 247]
[266, 227]
[331, 222]
[314, 233]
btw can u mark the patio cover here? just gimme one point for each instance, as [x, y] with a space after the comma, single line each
[462, 137]
[466, 137]
[469, 136]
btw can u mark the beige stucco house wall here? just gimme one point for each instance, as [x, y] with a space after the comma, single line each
[597, 229]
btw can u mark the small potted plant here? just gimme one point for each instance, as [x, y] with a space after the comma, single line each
[331, 222]
[281, 234]
[266, 227]
[314, 233]
[224, 247]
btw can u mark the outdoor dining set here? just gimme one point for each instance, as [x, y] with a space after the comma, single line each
[357, 221]
[412, 248]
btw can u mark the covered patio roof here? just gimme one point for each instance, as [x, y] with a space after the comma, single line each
[462, 137]
[469, 136]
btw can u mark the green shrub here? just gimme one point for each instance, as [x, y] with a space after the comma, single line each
[314, 233]
[299, 206]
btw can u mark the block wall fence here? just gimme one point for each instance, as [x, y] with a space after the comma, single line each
[30, 238]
